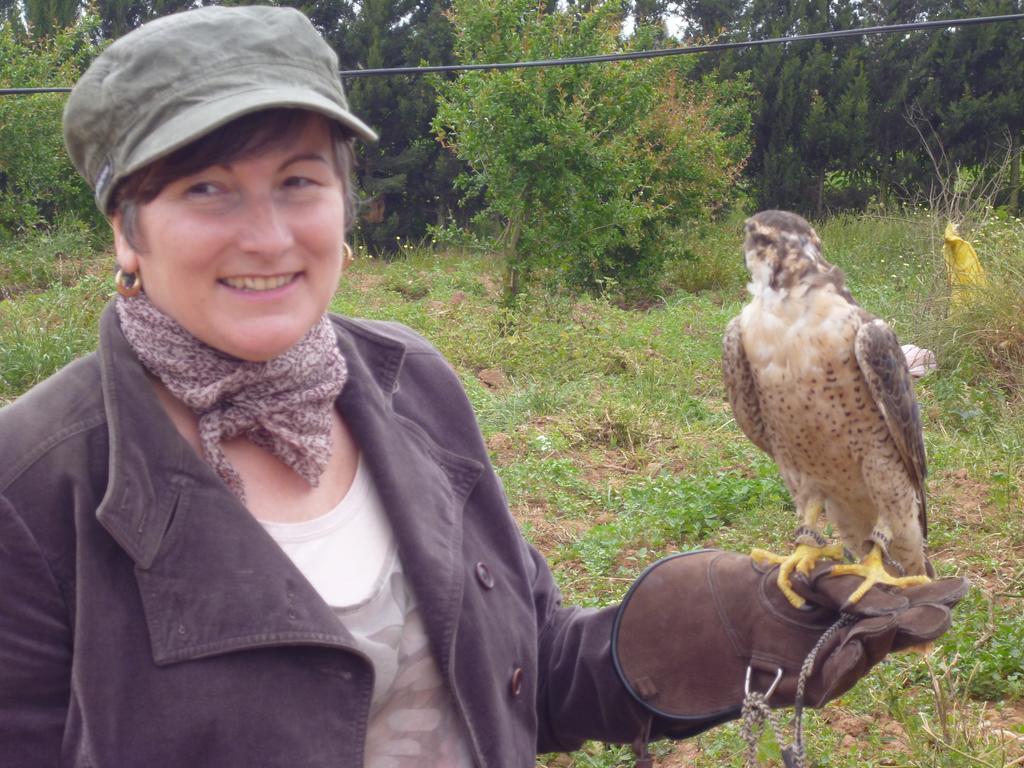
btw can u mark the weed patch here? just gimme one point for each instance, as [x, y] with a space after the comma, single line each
[46, 258]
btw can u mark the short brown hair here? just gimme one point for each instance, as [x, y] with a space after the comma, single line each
[248, 136]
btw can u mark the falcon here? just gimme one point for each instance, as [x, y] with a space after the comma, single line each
[822, 386]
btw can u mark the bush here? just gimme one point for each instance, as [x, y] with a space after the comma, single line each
[38, 183]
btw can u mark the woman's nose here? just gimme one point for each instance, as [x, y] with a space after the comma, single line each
[263, 226]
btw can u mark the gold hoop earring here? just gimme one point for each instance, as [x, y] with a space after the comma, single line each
[128, 284]
[347, 257]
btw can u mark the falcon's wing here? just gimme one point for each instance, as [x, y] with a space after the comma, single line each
[743, 395]
[884, 367]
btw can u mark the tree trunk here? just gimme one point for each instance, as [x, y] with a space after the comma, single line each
[1015, 152]
[884, 179]
[512, 271]
[820, 212]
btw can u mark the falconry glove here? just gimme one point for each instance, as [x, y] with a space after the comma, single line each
[698, 630]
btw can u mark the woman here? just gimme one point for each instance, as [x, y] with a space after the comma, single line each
[248, 533]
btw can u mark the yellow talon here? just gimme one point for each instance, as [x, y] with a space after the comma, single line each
[872, 570]
[803, 559]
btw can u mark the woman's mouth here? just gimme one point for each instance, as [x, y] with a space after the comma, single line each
[257, 283]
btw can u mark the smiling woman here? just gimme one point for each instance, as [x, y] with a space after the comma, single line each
[247, 532]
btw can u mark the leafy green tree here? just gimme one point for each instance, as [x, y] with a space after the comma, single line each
[978, 91]
[794, 143]
[37, 180]
[45, 17]
[10, 17]
[814, 117]
[118, 17]
[896, 69]
[587, 169]
[845, 106]
[711, 19]
[407, 178]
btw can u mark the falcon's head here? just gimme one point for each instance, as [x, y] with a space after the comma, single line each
[783, 251]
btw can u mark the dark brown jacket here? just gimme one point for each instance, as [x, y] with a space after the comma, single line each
[146, 618]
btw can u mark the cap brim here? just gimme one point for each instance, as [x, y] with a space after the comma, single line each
[207, 116]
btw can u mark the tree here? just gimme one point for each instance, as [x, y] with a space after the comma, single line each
[45, 17]
[586, 168]
[896, 69]
[844, 106]
[407, 177]
[10, 17]
[812, 120]
[979, 92]
[117, 17]
[710, 19]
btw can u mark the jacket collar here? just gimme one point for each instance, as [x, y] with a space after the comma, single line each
[148, 464]
[211, 579]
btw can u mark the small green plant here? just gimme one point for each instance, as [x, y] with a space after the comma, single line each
[990, 646]
[709, 256]
[668, 512]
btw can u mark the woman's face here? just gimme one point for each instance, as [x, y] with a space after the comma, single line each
[246, 256]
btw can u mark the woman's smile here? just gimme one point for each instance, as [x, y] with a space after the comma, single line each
[260, 284]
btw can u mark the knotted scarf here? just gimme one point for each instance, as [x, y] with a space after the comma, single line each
[282, 405]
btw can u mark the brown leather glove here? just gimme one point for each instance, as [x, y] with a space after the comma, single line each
[692, 625]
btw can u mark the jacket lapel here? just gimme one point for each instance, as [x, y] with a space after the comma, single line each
[423, 486]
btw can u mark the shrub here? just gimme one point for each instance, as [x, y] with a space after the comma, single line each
[38, 183]
[587, 168]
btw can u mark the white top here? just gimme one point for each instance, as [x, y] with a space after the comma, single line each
[343, 554]
[350, 557]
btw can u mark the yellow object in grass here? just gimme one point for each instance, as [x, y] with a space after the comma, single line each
[962, 265]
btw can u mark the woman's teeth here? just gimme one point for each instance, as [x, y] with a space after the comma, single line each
[258, 283]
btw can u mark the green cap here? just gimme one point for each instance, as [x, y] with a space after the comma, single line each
[175, 79]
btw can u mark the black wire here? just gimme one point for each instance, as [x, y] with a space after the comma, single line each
[27, 91]
[856, 32]
[889, 28]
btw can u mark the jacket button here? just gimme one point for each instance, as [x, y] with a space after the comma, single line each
[516, 683]
[483, 575]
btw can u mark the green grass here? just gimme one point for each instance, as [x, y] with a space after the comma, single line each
[610, 430]
[61, 256]
[42, 332]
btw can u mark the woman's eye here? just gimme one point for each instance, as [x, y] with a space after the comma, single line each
[298, 182]
[202, 189]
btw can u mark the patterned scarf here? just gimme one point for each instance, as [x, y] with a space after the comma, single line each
[282, 405]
